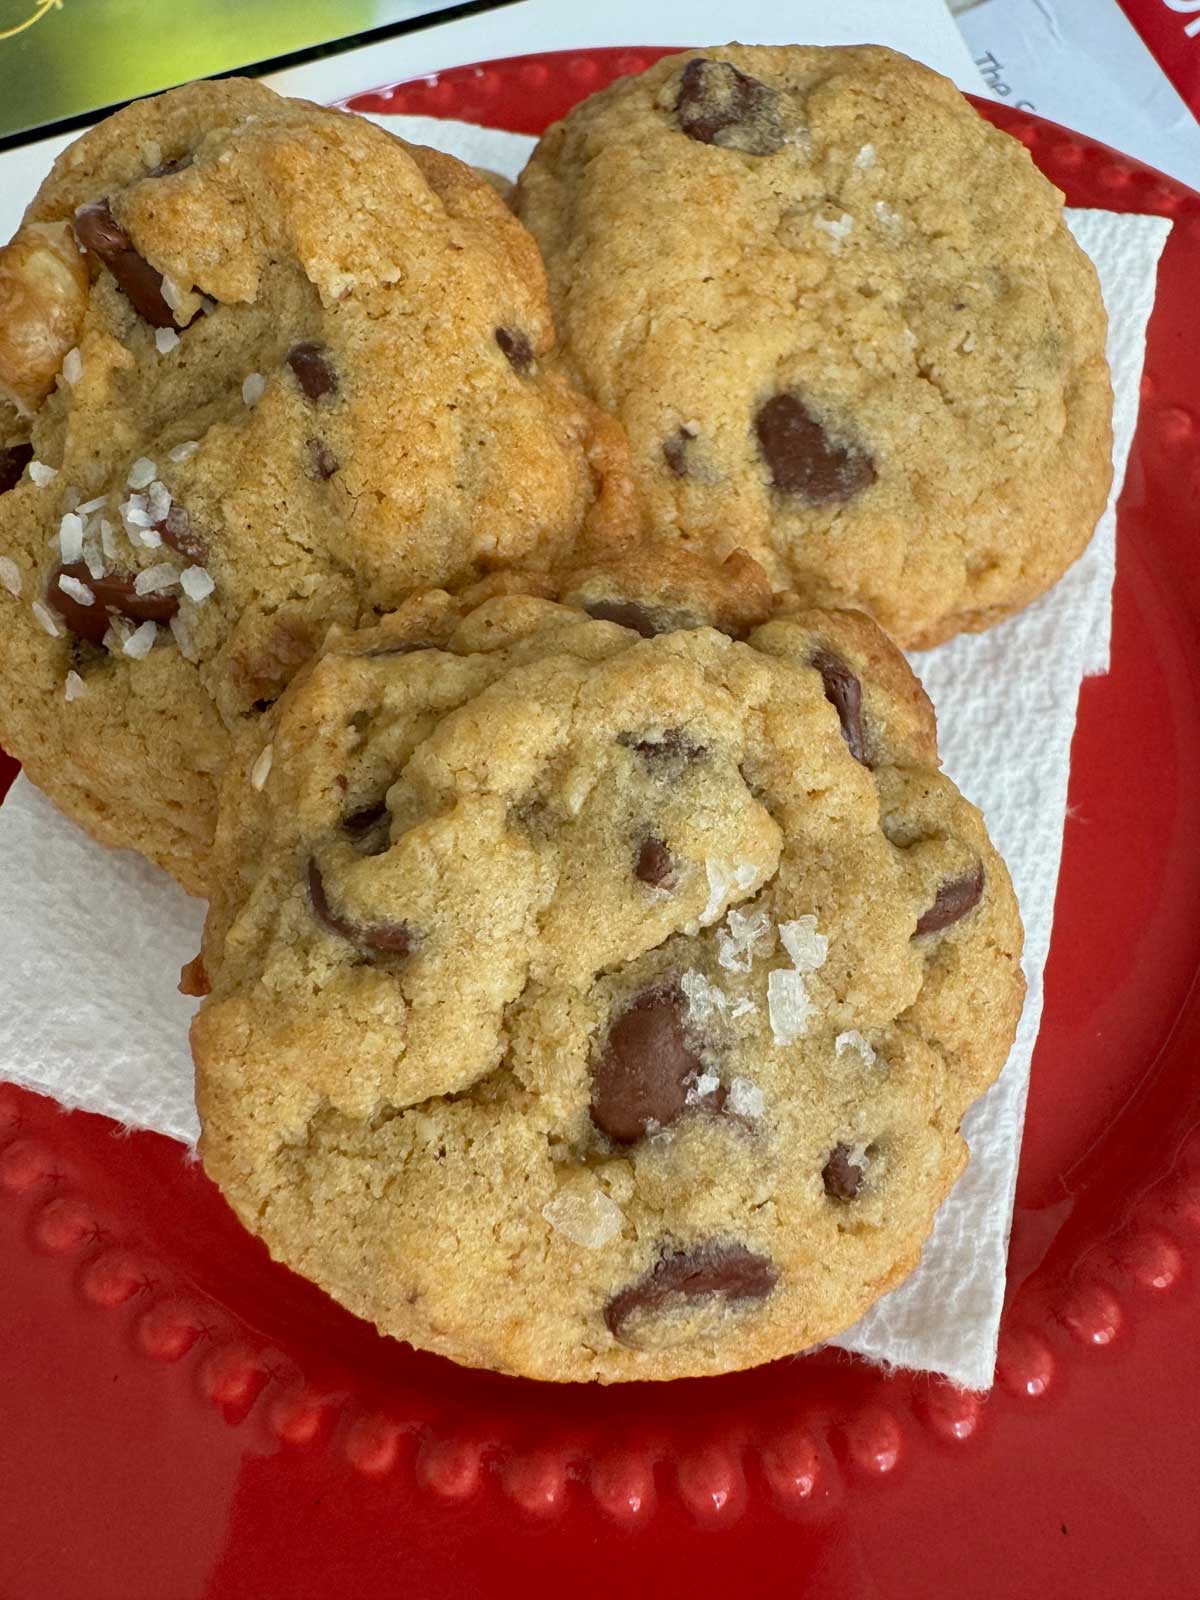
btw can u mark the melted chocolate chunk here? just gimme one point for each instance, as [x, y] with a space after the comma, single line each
[193, 978]
[643, 1071]
[654, 865]
[14, 458]
[176, 530]
[369, 829]
[628, 613]
[115, 596]
[954, 899]
[803, 460]
[842, 1176]
[98, 231]
[321, 460]
[728, 1270]
[672, 747]
[719, 105]
[516, 347]
[391, 938]
[675, 451]
[313, 372]
[844, 693]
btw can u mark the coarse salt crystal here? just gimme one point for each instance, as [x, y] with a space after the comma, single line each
[703, 998]
[865, 158]
[10, 576]
[108, 539]
[70, 537]
[707, 1083]
[807, 948]
[738, 941]
[261, 770]
[74, 687]
[888, 217]
[141, 641]
[182, 635]
[197, 584]
[165, 340]
[158, 501]
[93, 557]
[156, 580]
[42, 474]
[839, 229]
[45, 618]
[968, 344]
[172, 293]
[852, 1043]
[742, 1007]
[88, 506]
[589, 1220]
[184, 451]
[253, 385]
[789, 1006]
[724, 880]
[745, 1099]
[142, 472]
[72, 367]
[77, 590]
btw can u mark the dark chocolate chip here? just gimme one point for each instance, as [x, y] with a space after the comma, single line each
[728, 1270]
[321, 459]
[671, 747]
[176, 530]
[844, 693]
[14, 458]
[391, 938]
[193, 978]
[804, 461]
[642, 1073]
[654, 865]
[115, 596]
[675, 451]
[954, 899]
[627, 613]
[98, 231]
[516, 347]
[842, 1176]
[719, 105]
[369, 829]
[313, 372]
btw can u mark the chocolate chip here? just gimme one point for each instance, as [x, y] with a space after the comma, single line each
[176, 530]
[321, 459]
[625, 612]
[392, 938]
[313, 372]
[671, 747]
[654, 865]
[728, 1270]
[98, 231]
[675, 451]
[842, 1176]
[115, 596]
[642, 1073]
[719, 105]
[516, 347]
[369, 829]
[804, 461]
[193, 978]
[844, 693]
[14, 458]
[954, 899]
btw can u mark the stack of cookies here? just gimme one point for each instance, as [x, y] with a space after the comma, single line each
[487, 616]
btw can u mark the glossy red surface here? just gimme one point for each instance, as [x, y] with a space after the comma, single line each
[181, 1418]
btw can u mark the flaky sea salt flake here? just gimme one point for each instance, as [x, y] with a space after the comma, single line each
[72, 367]
[703, 998]
[865, 159]
[789, 1005]
[96, 504]
[158, 501]
[197, 584]
[10, 576]
[172, 293]
[745, 935]
[74, 688]
[700, 1088]
[725, 880]
[807, 948]
[184, 451]
[838, 229]
[253, 388]
[45, 618]
[77, 590]
[745, 1099]
[141, 641]
[589, 1220]
[852, 1043]
[142, 472]
[156, 580]
[70, 537]
[165, 340]
[108, 539]
[182, 634]
[261, 770]
[42, 474]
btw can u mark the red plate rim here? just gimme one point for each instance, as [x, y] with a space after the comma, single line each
[1109, 1197]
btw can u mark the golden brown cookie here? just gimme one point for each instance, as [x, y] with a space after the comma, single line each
[263, 368]
[843, 323]
[592, 1006]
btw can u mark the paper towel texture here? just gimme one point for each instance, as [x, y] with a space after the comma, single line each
[91, 941]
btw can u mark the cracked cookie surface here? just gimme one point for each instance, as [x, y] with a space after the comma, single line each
[588, 1005]
[263, 367]
[843, 322]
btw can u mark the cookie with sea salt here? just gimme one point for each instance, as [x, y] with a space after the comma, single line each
[588, 1005]
[263, 367]
[843, 322]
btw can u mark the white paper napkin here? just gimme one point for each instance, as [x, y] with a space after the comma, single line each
[91, 941]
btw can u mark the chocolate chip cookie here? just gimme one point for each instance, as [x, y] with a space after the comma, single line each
[262, 367]
[593, 1005]
[843, 322]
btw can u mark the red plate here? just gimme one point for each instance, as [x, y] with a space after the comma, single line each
[179, 1417]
